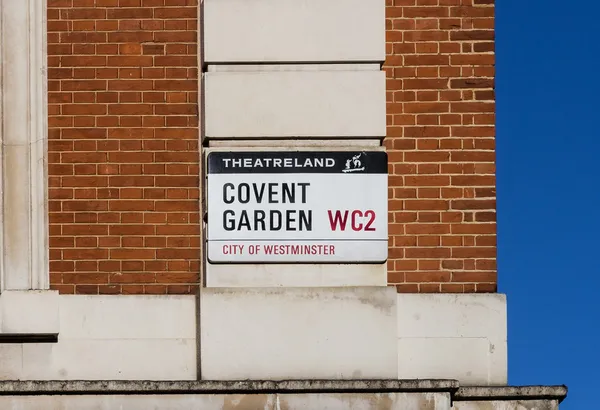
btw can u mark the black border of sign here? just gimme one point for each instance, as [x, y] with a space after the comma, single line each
[338, 162]
[374, 162]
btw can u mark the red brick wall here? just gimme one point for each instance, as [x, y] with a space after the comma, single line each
[123, 146]
[440, 70]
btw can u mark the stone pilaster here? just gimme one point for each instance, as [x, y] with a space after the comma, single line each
[28, 310]
[23, 132]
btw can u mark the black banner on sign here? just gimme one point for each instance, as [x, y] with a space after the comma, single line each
[298, 162]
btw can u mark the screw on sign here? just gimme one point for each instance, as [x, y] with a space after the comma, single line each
[297, 207]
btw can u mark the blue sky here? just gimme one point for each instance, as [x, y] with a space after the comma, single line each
[548, 164]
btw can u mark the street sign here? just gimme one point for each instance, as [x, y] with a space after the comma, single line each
[297, 207]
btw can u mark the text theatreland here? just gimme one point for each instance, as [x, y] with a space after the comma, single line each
[278, 162]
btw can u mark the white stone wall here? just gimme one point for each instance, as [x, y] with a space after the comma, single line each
[272, 333]
[457, 336]
[112, 338]
[298, 333]
[364, 401]
[294, 30]
[280, 275]
[317, 103]
[506, 405]
[374, 401]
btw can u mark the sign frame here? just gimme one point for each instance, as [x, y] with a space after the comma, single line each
[277, 178]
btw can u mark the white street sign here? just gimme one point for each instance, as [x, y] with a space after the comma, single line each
[297, 207]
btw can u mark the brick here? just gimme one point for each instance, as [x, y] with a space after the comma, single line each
[425, 84]
[108, 81]
[418, 113]
[428, 60]
[472, 35]
[468, 11]
[472, 83]
[474, 276]
[87, 289]
[137, 254]
[176, 12]
[408, 288]
[424, 277]
[472, 59]
[156, 49]
[484, 47]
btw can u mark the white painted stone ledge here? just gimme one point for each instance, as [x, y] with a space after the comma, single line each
[241, 31]
[113, 337]
[298, 333]
[281, 275]
[272, 334]
[233, 68]
[295, 104]
[29, 313]
[461, 336]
